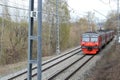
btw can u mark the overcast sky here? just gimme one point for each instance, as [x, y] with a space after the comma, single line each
[79, 8]
[83, 6]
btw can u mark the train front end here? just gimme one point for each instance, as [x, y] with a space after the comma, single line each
[90, 43]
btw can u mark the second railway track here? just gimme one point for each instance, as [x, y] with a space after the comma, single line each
[45, 65]
[69, 70]
[65, 65]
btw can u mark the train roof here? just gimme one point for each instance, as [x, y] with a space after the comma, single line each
[88, 34]
[104, 30]
[91, 32]
[96, 33]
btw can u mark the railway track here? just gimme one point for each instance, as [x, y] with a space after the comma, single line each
[76, 62]
[65, 65]
[68, 71]
[45, 65]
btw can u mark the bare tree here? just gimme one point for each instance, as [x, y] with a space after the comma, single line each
[5, 10]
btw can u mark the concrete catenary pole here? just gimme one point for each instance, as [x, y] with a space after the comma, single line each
[35, 14]
[57, 30]
[39, 50]
[118, 28]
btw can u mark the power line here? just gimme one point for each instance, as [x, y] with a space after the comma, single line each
[17, 4]
[108, 4]
[14, 7]
[13, 15]
[44, 11]
[72, 10]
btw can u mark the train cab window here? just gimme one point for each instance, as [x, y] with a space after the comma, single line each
[94, 39]
[85, 39]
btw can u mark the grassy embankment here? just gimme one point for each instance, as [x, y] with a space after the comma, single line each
[108, 68]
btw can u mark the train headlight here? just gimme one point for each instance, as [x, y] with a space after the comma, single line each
[96, 44]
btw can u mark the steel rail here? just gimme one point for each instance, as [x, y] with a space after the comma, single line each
[51, 60]
[71, 74]
[60, 71]
[56, 63]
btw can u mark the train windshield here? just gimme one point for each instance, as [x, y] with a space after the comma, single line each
[85, 39]
[94, 39]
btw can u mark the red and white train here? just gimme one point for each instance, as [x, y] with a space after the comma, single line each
[92, 42]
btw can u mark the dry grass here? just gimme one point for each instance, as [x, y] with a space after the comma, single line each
[108, 68]
[12, 68]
